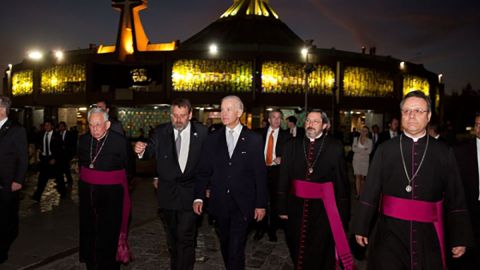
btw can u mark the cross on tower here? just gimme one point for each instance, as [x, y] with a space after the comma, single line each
[131, 37]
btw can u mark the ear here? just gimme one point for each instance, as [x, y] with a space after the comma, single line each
[108, 124]
[324, 126]
[429, 116]
[190, 116]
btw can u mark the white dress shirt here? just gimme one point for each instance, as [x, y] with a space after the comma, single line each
[49, 138]
[185, 145]
[2, 122]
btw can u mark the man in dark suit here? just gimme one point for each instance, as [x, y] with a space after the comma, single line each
[468, 160]
[69, 146]
[391, 133]
[294, 130]
[13, 168]
[50, 146]
[115, 125]
[177, 147]
[233, 166]
[274, 138]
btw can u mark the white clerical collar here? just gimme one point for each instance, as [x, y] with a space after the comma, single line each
[415, 139]
[2, 122]
[312, 140]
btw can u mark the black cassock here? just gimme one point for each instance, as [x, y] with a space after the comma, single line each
[309, 238]
[400, 244]
[101, 205]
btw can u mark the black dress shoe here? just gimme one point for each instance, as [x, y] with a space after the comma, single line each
[258, 236]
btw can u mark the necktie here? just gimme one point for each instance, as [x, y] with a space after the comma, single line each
[230, 142]
[178, 143]
[269, 156]
[47, 144]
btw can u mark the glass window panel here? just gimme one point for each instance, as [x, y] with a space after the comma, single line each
[289, 78]
[411, 83]
[365, 82]
[212, 76]
[60, 79]
[22, 83]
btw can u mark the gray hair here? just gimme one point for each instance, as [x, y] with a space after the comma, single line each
[5, 102]
[97, 110]
[237, 99]
[325, 119]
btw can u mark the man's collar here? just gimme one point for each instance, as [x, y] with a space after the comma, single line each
[415, 138]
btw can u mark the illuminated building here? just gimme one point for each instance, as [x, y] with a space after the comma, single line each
[248, 51]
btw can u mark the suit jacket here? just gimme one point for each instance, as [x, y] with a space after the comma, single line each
[385, 136]
[466, 154]
[69, 145]
[13, 154]
[56, 146]
[243, 175]
[175, 189]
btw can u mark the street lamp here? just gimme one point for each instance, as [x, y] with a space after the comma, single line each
[308, 68]
[35, 55]
[213, 49]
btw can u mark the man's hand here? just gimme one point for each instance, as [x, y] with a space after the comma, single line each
[277, 161]
[155, 182]
[198, 207]
[16, 186]
[259, 214]
[458, 251]
[284, 217]
[140, 148]
[361, 240]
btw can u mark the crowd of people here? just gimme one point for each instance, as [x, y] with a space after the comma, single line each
[416, 206]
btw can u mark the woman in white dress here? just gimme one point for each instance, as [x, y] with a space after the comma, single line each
[362, 147]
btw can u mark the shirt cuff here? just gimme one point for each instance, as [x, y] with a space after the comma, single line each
[198, 200]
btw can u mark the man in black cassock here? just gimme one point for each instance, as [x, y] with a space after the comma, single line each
[104, 210]
[409, 177]
[316, 159]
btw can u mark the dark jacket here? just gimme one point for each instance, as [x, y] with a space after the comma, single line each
[13, 154]
[243, 175]
[175, 189]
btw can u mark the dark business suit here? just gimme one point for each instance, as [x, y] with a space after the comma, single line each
[237, 186]
[175, 190]
[49, 170]
[271, 221]
[69, 145]
[385, 136]
[466, 154]
[14, 164]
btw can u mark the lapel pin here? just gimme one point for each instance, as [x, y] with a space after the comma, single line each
[195, 134]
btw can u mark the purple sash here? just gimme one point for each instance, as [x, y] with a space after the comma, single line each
[421, 211]
[112, 178]
[324, 191]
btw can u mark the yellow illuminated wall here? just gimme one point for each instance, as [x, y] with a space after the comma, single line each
[22, 83]
[287, 78]
[411, 83]
[365, 82]
[63, 79]
[212, 76]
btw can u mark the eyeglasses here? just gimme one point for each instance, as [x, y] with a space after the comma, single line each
[414, 111]
[316, 122]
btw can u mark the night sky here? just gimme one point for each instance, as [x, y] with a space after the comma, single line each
[443, 35]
